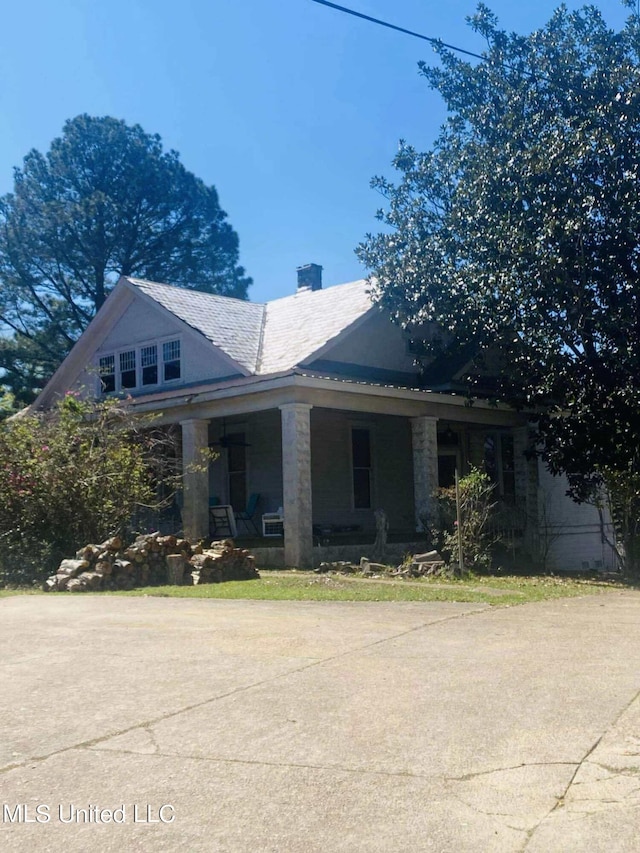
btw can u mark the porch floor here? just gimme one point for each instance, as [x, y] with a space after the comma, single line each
[351, 547]
[366, 537]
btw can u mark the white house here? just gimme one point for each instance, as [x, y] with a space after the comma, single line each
[317, 405]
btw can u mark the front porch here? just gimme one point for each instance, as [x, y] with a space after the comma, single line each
[327, 469]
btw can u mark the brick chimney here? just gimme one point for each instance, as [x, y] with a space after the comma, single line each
[309, 277]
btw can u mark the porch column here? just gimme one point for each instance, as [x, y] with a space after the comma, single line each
[195, 480]
[424, 439]
[296, 485]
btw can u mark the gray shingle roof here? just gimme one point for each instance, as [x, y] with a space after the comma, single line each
[266, 338]
[234, 325]
[301, 324]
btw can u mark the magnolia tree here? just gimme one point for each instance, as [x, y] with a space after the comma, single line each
[77, 474]
[518, 233]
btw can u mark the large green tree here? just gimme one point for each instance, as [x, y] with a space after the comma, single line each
[105, 200]
[519, 233]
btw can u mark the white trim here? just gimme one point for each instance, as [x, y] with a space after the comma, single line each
[82, 354]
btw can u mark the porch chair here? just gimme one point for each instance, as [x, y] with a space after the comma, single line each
[222, 521]
[246, 515]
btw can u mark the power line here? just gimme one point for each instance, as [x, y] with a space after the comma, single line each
[434, 41]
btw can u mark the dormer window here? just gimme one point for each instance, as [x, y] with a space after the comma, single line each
[140, 367]
[149, 364]
[171, 360]
[107, 369]
[128, 369]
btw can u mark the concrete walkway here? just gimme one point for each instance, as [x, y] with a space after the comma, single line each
[308, 726]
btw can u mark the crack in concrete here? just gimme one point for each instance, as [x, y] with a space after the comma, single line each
[608, 803]
[614, 771]
[154, 741]
[468, 776]
[585, 759]
[338, 768]
[629, 798]
[210, 700]
[486, 813]
[361, 771]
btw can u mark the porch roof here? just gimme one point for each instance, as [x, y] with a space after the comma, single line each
[258, 393]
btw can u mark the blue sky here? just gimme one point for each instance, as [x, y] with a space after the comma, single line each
[288, 107]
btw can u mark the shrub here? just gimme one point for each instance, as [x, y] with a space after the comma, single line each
[74, 475]
[476, 508]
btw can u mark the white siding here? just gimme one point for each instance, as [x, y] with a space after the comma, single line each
[375, 343]
[142, 323]
[138, 323]
[332, 476]
[573, 531]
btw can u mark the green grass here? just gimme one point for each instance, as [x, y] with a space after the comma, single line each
[306, 586]
[23, 590]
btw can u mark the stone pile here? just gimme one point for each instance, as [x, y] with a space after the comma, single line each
[341, 567]
[150, 560]
[430, 564]
[417, 566]
[222, 562]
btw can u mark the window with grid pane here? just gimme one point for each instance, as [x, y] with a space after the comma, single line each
[171, 360]
[149, 364]
[128, 369]
[107, 370]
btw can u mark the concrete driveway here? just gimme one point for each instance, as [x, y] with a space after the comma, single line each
[308, 726]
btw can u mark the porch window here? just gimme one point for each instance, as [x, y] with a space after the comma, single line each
[128, 369]
[508, 466]
[449, 457]
[361, 461]
[107, 370]
[237, 468]
[171, 360]
[499, 462]
[447, 464]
